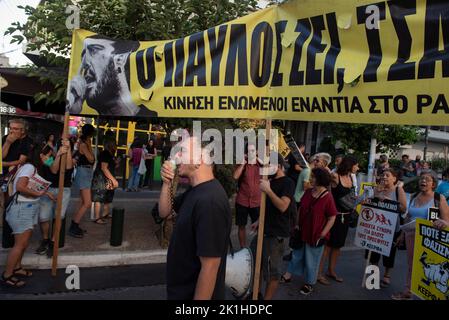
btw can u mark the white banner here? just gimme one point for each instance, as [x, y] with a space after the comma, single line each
[376, 225]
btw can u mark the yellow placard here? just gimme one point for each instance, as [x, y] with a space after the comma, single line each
[430, 276]
[283, 148]
[356, 61]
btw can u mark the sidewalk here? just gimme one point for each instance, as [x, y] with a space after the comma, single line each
[140, 244]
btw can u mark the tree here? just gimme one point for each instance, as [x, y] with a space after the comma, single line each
[47, 33]
[356, 138]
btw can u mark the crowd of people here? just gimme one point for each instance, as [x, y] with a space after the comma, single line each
[30, 186]
[309, 207]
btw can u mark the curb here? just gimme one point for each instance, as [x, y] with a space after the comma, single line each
[92, 259]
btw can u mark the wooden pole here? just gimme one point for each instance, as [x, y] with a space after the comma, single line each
[57, 229]
[260, 232]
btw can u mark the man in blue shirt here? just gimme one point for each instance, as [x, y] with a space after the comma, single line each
[443, 188]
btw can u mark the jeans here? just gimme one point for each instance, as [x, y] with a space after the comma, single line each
[134, 179]
[306, 261]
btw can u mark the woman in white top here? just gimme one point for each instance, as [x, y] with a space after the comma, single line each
[22, 215]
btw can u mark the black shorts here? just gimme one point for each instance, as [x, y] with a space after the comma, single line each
[102, 196]
[339, 232]
[241, 214]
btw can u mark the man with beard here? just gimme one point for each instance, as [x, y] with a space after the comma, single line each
[196, 257]
[103, 79]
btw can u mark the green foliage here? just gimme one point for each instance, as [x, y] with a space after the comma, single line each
[438, 164]
[46, 31]
[356, 138]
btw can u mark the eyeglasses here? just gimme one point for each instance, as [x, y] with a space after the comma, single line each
[426, 178]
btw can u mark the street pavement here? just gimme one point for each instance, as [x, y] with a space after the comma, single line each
[127, 273]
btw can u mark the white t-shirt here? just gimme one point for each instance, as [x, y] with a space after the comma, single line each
[27, 170]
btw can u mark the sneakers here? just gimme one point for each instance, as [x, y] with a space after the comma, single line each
[306, 289]
[76, 231]
[42, 249]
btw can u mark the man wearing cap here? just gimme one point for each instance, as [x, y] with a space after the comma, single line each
[280, 208]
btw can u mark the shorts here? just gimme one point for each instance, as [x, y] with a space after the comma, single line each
[272, 254]
[48, 207]
[339, 232]
[102, 196]
[22, 216]
[242, 213]
[83, 177]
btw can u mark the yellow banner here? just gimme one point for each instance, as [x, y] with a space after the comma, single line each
[430, 277]
[313, 60]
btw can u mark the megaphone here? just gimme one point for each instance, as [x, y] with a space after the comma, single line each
[240, 273]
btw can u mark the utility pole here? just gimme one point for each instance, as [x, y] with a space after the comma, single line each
[426, 142]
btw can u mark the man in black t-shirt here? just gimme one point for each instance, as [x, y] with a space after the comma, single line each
[280, 208]
[16, 145]
[196, 257]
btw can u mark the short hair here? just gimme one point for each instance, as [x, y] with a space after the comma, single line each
[322, 177]
[405, 156]
[383, 157]
[346, 165]
[394, 172]
[446, 173]
[87, 131]
[23, 122]
[323, 155]
[434, 176]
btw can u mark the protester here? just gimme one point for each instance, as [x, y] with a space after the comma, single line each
[135, 156]
[321, 160]
[149, 163]
[383, 165]
[196, 257]
[338, 159]
[247, 202]
[295, 168]
[407, 168]
[424, 166]
[417, 165]
[388, 189]
[15, 150]
[418, 207]
[443, 187]
[342, 186]
[280, 209]
[316, 217]
[51, 142]
[104, 182]
[83, 177]
[49, 169]
[22, 215]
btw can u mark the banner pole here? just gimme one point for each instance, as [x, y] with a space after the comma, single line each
[260, 232]
[57, 229]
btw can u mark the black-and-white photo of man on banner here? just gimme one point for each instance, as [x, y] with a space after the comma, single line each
[103, 79]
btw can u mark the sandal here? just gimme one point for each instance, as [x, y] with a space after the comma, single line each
[385, 283]
[323, 280]
[21, 272]
[99, 221]
[106, 216]
[285, 280]
[12, 281]
[401, 296]
[334, 277]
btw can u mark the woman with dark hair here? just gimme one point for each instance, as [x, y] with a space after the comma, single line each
[50, 141]
[22, 215]
[104, 182]
[342, 185]
[389, 189]
[418, 208]
[83, 177]
[316, 217]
